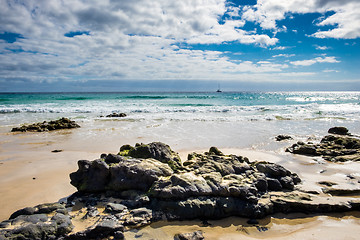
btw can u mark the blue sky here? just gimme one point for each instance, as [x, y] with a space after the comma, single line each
[185, 45]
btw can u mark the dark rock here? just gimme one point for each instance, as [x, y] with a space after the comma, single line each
[62, 123]
[155, 150]
[112, 158]
[107, 227]
[35, 218]
[274, 184]
[116, 115]
[197, 235]
[339, 130]
[283, 137]
[327, 183]
[56, 150]
[48, 207]
[287, 182]
[91, 212]
[24, 211]
[272, 170]
[252, 221]
[216, 151]
[139, 217]
[332, 148]
[115, 208]
[64, 224]
[91, 176]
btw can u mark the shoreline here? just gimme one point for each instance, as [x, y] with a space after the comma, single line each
[30, 157]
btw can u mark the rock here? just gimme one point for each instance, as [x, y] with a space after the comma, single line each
[117, 115]
[115, 208]
[91, 212]
[24, 211]
[139, 217]
[197, 235]
[283, 137]
[339, 131]
[112, 158]
[62, 123]
[56, 150]
[272, 170]
[107, 227]
[332, 148]
[274, 184]
[63, 223]
[91, 176]
[155, 150]
[215, 151]
[327, 183]
[130, 174]
[38, 226]
[252, 221]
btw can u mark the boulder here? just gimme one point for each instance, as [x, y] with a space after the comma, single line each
[282, 137]
[129, 174]
[332, 148]
[339, 130]
[197, 235]
[155, 150]
[116, 115]
[62, 123]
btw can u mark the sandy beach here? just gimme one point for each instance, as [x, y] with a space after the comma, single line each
[30, 174]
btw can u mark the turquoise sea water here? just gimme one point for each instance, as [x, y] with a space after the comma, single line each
[295, 105]
[229, 119]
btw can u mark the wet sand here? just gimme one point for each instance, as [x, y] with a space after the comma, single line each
[30, 174]
[279, 226]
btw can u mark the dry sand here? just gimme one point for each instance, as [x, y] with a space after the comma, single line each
[31, 174]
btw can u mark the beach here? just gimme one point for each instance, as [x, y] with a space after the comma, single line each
[31, 173]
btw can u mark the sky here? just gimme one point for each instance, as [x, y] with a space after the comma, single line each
[183, 45]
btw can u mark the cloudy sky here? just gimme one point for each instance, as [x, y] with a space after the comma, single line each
[120, 45]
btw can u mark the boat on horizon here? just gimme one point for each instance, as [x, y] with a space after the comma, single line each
[218, 90]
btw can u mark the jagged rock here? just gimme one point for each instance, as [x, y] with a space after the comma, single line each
[38, 227]
[115, 208]
[216, 151]
[107, 227]
[62, 123]
[155, 150]
[136, 191]
[116, 115]
[331, 148]
[130, 174]
[283, 137]
[197, 235]
[339, 131]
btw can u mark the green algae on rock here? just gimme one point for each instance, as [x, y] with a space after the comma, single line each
[62, 123]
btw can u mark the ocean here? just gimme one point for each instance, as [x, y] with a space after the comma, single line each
[227, 119]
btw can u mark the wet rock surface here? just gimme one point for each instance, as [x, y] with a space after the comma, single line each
[116, 115]
[148, 182]
[62, 123]
[282, 137]
[334, 148]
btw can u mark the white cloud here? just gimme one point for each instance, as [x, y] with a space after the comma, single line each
[345, 20]
[284, 55]
[315, 60]
[321, 47]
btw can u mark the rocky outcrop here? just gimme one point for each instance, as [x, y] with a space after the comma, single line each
[339, 130]
[46, 221]
[197, 235]
[62, 123]
[116, 115]
[148, 182]
[155, 150]
[334, 148]
[282, 137]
